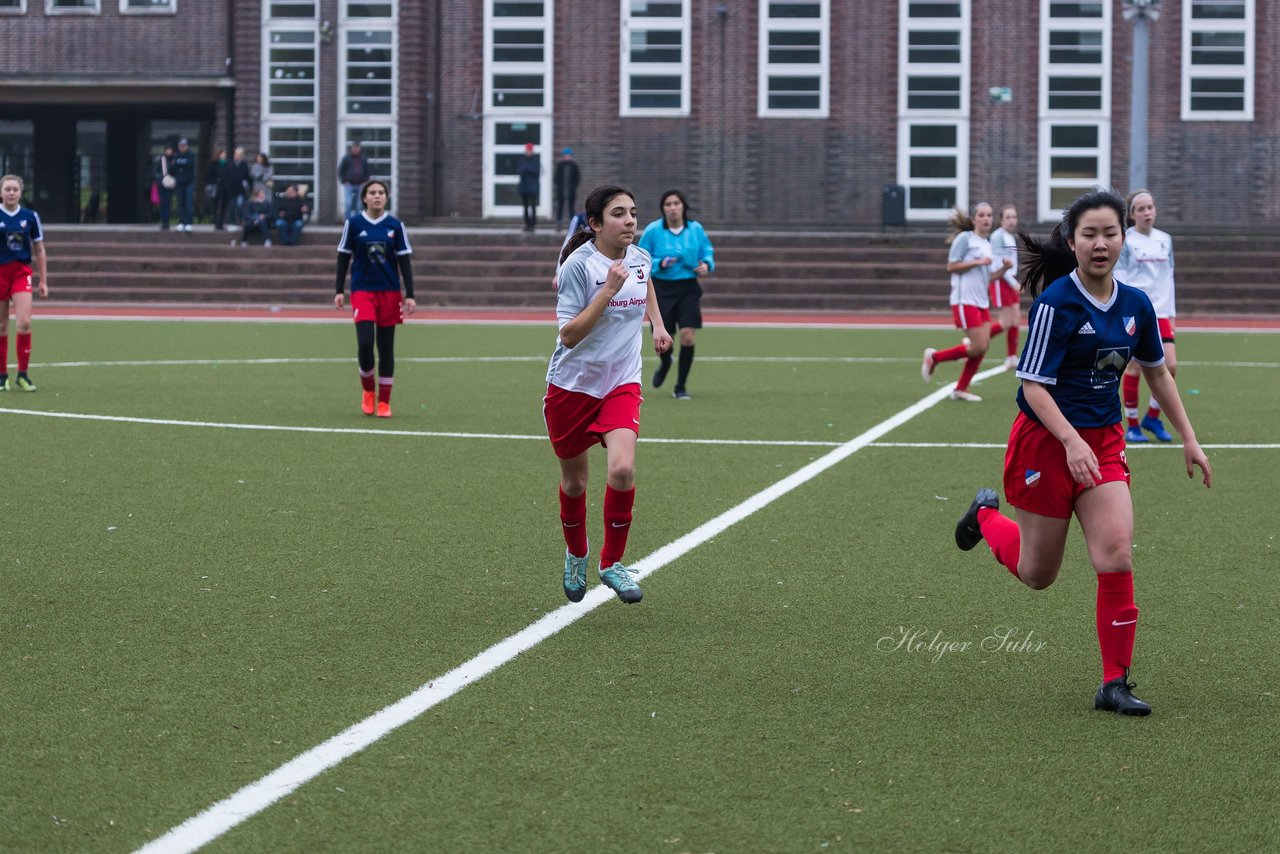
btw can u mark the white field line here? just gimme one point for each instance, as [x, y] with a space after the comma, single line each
[446, 360]
[441, 434]
[208, 825]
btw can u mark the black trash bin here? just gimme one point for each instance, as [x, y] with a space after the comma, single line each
[893, 205]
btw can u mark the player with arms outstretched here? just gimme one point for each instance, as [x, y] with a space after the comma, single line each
[1065, 454]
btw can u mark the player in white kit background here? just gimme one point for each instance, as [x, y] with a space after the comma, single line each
[604, 295]
[1146, 263]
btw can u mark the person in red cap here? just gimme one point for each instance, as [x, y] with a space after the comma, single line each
[529, 169]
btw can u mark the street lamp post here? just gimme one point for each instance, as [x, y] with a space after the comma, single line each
[1140, 12]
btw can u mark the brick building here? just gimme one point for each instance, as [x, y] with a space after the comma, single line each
[787, 112]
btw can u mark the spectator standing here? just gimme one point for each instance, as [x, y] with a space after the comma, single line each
[291, 215]
[566, 179]
[353, 171]
[261, 175]
[529, 170]
[165, 184]
[211, 173]
[183, 170]
[256, 217]
[233, 186]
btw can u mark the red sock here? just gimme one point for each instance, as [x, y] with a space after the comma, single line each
[1012, 337]
[384, 389]
[996, 329]
[1129, 397]
[617, 524]
[1003, 537]
[367, 381]
[573, 522]
[970, 368]
[4, 354]
[1117, 622]
[24, 351]
[1153, 411]
[951, 354]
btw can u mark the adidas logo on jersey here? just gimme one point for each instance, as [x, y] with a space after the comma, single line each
[1087, 329]
[364, 234]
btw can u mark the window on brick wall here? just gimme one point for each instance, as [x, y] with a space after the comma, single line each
[933, 106]
[368, 66]
[135, 7]
[655, 58]
[18, 7]
[291, 72]
[72, 7]
[1218, 60]
[517, 98]
[794, 58]
[290, 8]
[1074, 150]
[293, 155]
[357, 9]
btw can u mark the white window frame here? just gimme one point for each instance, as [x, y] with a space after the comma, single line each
[20, 9]
[51, 9]
[766, 69]
[346, 16]
[493, 115]
[681, 69]
[1246, 25]
[170, 8]
[957, 117]
[302, 121]
[391, 119]
[1048, 118]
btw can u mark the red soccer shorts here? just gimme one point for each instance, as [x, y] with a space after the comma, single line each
[1036, 476]
[15, 278]
[577, 421]
[384, 308]
[1166, 329]
[1003, 294]
[969, 316]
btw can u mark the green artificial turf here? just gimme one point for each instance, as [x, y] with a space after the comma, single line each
[185, 608]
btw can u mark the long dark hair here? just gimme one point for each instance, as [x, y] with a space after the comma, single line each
[684, 204]
[595, 204]
[1043, 262]
[381, 183]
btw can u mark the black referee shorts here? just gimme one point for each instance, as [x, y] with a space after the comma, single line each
[679, 302]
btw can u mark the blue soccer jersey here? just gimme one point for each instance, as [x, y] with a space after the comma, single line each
[373, 246]
[1078, 347]
[21, 229]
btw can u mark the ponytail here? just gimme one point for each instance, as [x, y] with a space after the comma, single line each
[959, 222]
[581, 236]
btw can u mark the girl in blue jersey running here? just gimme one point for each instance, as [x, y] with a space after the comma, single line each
[1065, 453]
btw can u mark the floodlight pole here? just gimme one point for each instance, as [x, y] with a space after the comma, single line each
[1140, 12]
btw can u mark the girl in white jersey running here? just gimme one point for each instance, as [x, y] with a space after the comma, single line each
[604, 295]
[1146, 262]
[969, 263]
[1006, 293]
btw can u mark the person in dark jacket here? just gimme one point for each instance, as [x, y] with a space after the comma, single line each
[353, 171]
[165, 185]
[529, 169]
[566, 179]
[257, 219]
[291, 215]
[183, 170]
[233, 186]
[211, 173]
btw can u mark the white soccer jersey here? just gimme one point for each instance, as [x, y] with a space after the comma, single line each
[1004, 245]
[1146, 262]
[970, 287]
[609, 355]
